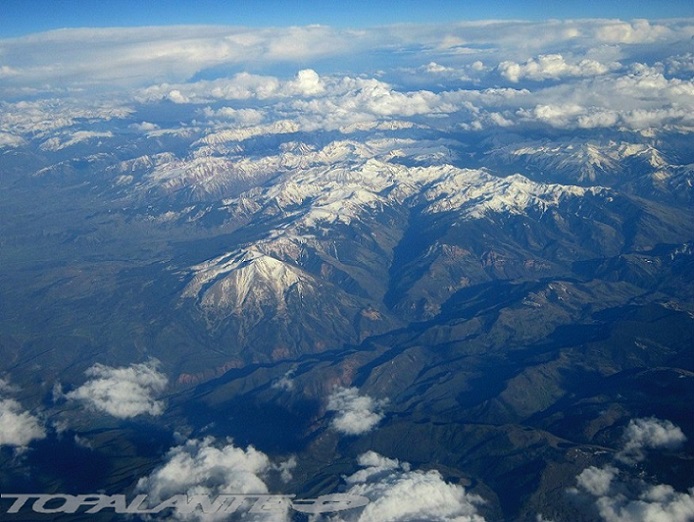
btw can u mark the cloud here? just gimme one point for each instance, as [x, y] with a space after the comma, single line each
[177, 96]
[73, 138]
[435, 68]
[597, 481]
[6, 72]
[306, 83]
[681, 64]
[652, 433]
[122, 392]
[241, 86]
[138, 56]
[210, 468]
[636, 32]
[286, 468]
[399, 493]
[18, 428]
[37, 119]
[241, 116]
[244, 133]
[551, 66]
[643, 99]
[348, 101]
[356, 414]
[10, 140]
[144, 126]
[595, 85]
[623, 499]
[648, 85]
[286, 382]
[556, 115]
[619, 495]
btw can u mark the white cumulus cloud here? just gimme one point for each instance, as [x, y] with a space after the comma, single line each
[306, 83]
[556, 115]
[623, 499]
[597, 481]
[620, 495]
[38, 118]
[18, 427]
[638, 31]
[652, 433]
[177, 96]
[356, 414]
[598, 78]
[122, 392]
[55, 143]
[10, 140]
[550, 66]
[144, 126]
[286, 382]
[210, 468]
[399, 493]
[240, 116]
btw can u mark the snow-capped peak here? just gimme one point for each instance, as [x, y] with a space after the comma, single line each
[584, 160]
[242, 278]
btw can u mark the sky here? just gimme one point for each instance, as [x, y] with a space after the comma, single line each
[21, 17]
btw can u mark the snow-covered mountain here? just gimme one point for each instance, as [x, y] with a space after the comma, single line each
[339, 214]
[387, 213]
[583, 161]
[475, 282]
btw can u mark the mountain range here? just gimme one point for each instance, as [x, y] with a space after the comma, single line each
[508, 304]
